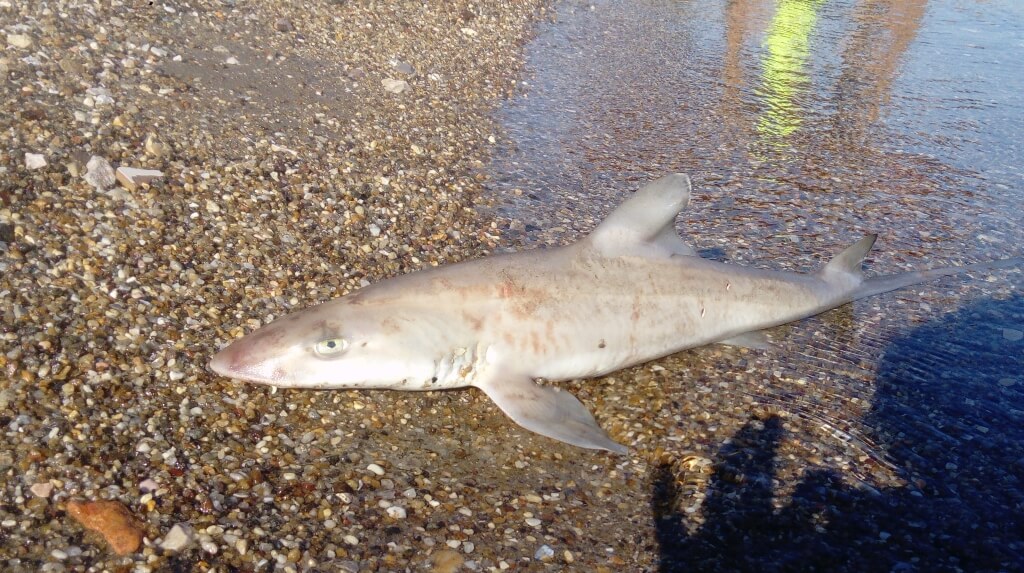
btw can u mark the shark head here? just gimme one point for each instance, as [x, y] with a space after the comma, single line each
[332, 345]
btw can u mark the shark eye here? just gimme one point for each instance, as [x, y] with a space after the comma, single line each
[331, 346]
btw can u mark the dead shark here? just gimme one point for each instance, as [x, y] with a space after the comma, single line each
[630, 292]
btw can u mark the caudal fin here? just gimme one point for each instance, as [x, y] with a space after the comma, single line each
[878, 285]
[845, 272]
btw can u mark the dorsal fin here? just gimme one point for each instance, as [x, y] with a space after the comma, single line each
[644, 225]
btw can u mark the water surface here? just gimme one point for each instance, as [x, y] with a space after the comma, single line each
[805, 124]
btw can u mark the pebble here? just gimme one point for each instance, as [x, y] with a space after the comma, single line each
[533, 522]
[179, 537]
[446, 561]
[284, 25]
[99, 173]
[34, 161]
[153, 146]
[395, 86]
[544, 553]
[396, 512]
[405, 68]
[19, 40]
[376, 469]
[112, 520]
[132, 177]
[1012, 334]
[42, 489]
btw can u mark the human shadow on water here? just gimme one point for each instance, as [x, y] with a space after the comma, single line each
[949, 413]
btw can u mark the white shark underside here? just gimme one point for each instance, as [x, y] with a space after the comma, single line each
[631, 292]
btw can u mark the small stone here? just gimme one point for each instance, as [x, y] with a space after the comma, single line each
[99, 173]
[100, 96]
[396, 512]
[544, 553]
[19, 40]
[532, 521]
[395, 86]
[446, 561]
[112, 520]
[42, 489]
[1012, 334]
[231, 61]
[347, 566]
[148, 485]
[469, 32]
[376, 469]
[154, 146]
[179, 537]
[405, 68]
[34, 161]
[284, 25]
[132, 177]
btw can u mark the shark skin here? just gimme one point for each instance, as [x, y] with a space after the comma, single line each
[630, 292]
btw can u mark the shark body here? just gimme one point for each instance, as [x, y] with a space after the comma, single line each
[630, 292]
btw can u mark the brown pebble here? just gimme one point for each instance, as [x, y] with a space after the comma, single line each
[446, 561]
[112, 520]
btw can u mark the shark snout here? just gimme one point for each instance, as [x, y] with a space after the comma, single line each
[223, 362]
[243, 360]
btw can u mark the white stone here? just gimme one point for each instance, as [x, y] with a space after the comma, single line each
[154, 146]
[394, 86]
[35, 161]
[99, 173]
[179, 537]
[42, 489]
[19, 40]
[396, 512]
[544, 552]
[376, 469]
[132, 177]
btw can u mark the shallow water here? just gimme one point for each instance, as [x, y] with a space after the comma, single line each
[805, 124]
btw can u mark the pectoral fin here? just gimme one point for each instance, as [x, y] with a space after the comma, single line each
[550, 412]
[756, 340]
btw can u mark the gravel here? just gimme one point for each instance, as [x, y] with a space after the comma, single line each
[293, 174]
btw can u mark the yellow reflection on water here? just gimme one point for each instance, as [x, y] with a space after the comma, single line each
[788, 47]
